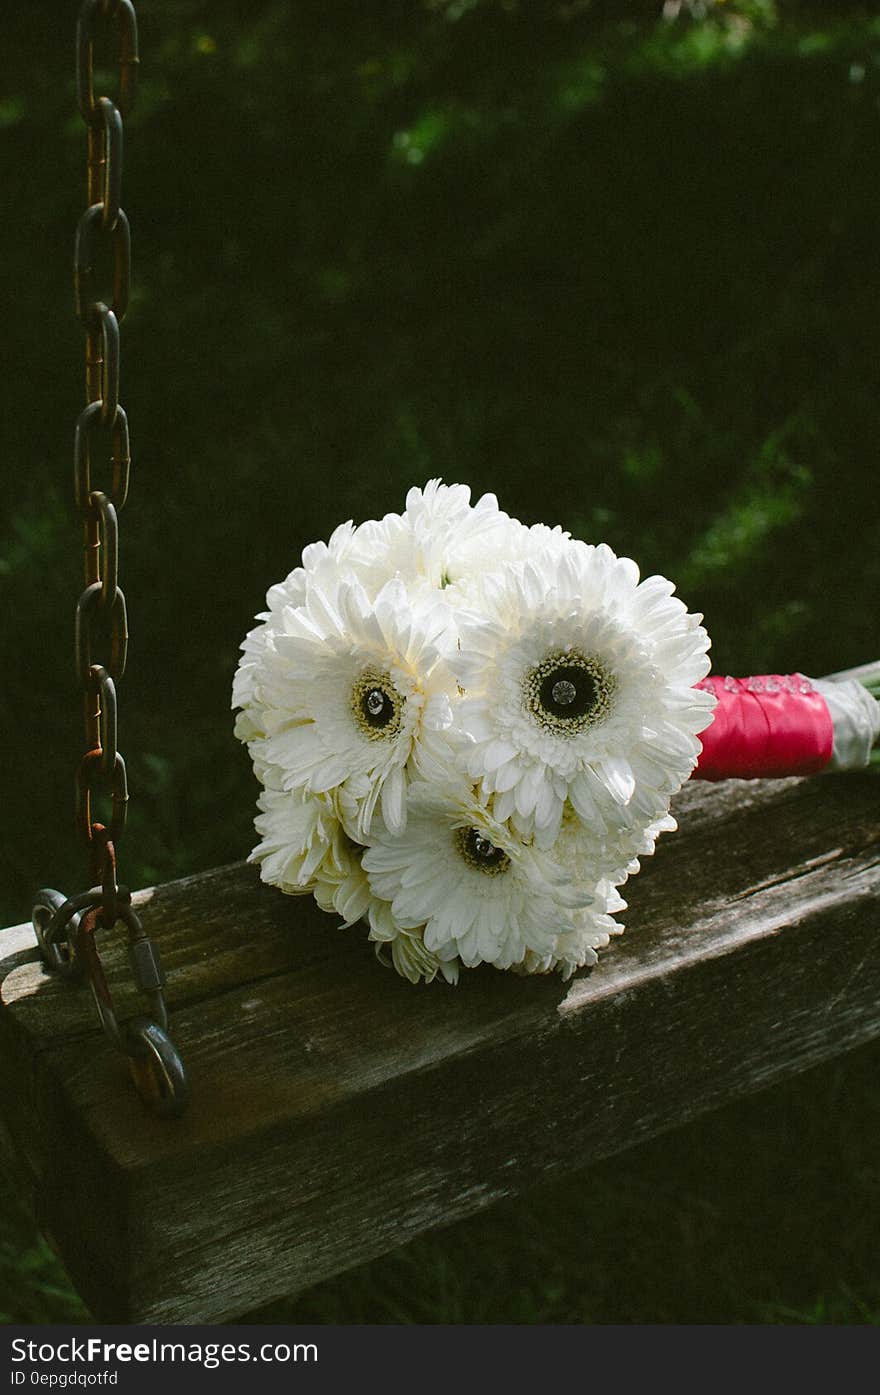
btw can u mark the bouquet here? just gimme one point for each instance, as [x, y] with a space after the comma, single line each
[468, 732]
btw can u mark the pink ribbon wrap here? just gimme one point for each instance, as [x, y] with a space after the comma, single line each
[767, 726]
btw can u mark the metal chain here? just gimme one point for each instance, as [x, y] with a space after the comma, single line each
[102, 276]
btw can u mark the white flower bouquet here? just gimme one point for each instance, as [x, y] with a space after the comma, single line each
[468, 731]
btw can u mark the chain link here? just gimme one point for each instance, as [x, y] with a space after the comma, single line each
[121, 14]
[87, 426]
[66, 928]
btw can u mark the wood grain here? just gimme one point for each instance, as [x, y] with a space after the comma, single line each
[338, 1111]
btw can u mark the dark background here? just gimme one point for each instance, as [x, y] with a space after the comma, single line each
[615, 262]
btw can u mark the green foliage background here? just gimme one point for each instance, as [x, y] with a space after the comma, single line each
[620, 269]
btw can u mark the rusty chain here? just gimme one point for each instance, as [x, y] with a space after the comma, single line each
[66, 927]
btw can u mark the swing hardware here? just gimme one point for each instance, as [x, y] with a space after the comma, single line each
[57, 954]
[65, 927]
[91, 769]
[89, 230]
[110, 167]
[104, 866]
[120, 460]
[66, 933]
[89, 602]
[123, 15]
[107, 363]
[108, 544]
[101, 716]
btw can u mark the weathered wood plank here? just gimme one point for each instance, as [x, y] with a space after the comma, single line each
[338, 1111]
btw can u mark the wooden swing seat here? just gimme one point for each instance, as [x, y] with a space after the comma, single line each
[338, 1111]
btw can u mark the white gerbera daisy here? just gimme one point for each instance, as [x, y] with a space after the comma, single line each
[479, 891]
[577, 949]
[324, 563]
[448, 540]
[298, 832]
[304, 848]
[588, 856]
[340, 883]
[579, 686]
[439, 539]
[342, 687]
[407, 954]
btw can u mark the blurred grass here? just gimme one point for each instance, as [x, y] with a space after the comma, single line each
[622, 271]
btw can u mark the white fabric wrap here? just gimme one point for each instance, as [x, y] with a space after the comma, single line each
[856, 717]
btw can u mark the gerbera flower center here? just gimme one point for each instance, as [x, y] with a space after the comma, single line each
[569, 692]
[376, 705]
[480, 852]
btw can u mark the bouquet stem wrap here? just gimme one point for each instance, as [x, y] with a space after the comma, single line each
[766, 726]
[774, 725]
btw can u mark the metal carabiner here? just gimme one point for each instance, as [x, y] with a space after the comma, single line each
[154, 1062]
[156, 1068]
